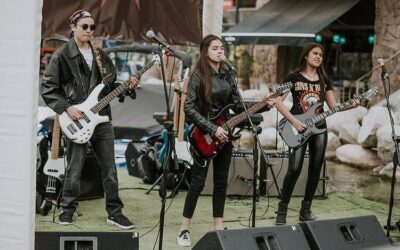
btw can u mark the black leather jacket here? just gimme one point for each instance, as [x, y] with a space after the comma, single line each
[68, 80]
[224, 93]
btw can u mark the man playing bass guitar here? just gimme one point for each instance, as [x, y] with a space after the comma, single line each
[69, 79]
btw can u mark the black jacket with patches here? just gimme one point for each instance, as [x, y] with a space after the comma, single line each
[68, 80]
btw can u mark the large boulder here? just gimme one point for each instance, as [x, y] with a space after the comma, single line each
[333, 144]
[394, 101]
[388, 171]
[348, 131]
[356, 155]
[246, 141]
[376, 118]
[254, 94]
[270, 139]
[352, 116]
[385, 147]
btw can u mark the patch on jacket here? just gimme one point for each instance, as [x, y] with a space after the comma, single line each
[47, 78]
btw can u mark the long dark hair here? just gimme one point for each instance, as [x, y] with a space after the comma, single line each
[303, 64]
[203, 66]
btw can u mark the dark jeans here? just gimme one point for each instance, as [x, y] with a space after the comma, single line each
[102, 142]
[316, 148]
[221, 165]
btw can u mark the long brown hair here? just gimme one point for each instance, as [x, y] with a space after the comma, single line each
[303, 64]
[203, 66]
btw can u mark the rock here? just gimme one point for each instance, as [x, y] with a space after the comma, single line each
[356, 155]
[394, 101]
[269, 117]
[269, 139]
[376, 118]
[254, 94]
[388, 171]
[348, 131]
[385, 147]
[333, 144]
[377, 169]
[246, 141]
[334, 122]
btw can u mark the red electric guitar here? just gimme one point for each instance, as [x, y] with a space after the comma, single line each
[207, 145]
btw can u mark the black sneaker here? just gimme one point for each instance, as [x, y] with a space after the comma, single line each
[121, 221]
[65, 218]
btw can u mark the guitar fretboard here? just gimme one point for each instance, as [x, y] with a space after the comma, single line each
[123, 87]
[234, 121]
[55, 140]
[318, 118]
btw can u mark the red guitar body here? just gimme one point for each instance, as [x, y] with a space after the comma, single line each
[205, 144]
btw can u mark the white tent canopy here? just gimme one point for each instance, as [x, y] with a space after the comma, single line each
[19, 67]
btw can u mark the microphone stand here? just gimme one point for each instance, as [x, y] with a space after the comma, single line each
[169, 126]
[257, 144]
[396, 157]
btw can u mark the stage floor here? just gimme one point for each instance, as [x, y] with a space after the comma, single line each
[144, 210]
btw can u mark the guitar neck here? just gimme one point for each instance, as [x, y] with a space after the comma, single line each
[55, 140]
[123, 87]
[234, 121]
[324, 115]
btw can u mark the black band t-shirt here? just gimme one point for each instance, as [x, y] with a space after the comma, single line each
[307, 93]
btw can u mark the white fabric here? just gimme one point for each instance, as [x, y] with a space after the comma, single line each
[88, 55]
[212, 17]
[182, 151]
[19, 69]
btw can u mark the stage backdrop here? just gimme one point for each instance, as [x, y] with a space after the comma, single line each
[176, 21]
[19, 70]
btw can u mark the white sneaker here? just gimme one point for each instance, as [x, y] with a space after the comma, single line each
[183, 239]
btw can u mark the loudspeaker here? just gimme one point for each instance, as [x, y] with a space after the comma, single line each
[91, 184]
[240, 177]
[87, 240]
[131, 155]
[266, 238]
[279, 162]
[362, 232]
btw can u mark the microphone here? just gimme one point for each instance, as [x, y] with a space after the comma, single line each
[228, 63]
[385, 73]
[150, 34]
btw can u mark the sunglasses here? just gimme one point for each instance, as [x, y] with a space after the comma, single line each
[86, 26]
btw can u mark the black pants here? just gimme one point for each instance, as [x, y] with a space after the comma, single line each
[316, 147]
[221, 165]
[103, 144]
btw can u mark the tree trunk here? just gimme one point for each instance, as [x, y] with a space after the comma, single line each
[387, 43]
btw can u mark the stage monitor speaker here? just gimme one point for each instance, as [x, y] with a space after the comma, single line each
[91, 183]
[132, 153]
[362, 232]
[268, 238]
[86, 240]
[240, 178]
[279, 161]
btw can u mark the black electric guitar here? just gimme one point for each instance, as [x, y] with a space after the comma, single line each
[294, 139]
[207, 145]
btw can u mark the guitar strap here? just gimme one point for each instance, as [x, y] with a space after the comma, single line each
[97, 56]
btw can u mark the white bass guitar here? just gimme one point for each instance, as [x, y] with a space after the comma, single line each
[80, 131]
